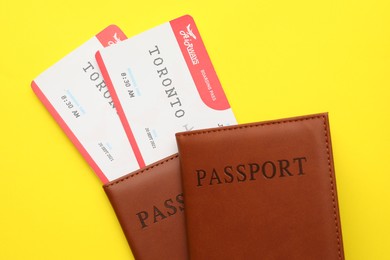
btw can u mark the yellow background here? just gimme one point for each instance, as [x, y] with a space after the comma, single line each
[275, 58]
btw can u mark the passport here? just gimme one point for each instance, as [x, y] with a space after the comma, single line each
[149, 205]
[261, 191]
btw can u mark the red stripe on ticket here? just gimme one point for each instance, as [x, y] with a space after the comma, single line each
[199, 63]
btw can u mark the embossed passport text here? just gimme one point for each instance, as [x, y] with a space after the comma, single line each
[261, 191]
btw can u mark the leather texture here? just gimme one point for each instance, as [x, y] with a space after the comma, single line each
[261, 191]
[149, 207]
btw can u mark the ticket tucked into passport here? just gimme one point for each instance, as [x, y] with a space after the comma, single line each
[162, 82]
[74, 92]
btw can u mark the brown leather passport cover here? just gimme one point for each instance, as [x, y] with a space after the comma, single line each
[261, 191]
[149, 207]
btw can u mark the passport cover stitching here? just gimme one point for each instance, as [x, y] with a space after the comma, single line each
[252, 125]
[332, 187]
[327, 152]
[139, 172]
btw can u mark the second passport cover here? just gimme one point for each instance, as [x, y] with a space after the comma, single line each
[261, 191]
[149, 207]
